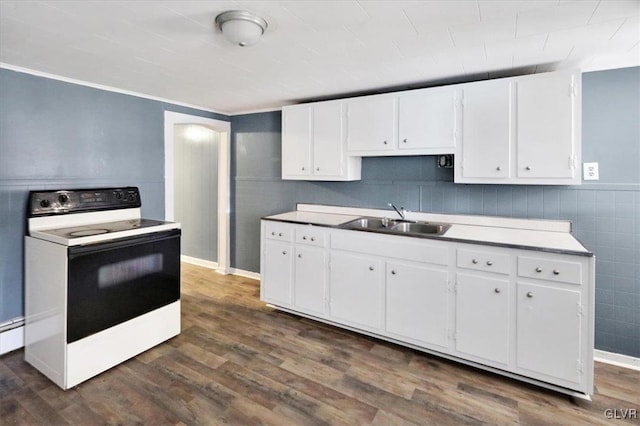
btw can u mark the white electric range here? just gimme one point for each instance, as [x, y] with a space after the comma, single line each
[102, 284]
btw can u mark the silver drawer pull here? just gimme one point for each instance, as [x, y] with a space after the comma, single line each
[317, 169]
[304, 237]
[371, 268]
[529, 294]
[556, 272]
[284, 252]
[384, 142]
[404, 140]
[498, 168]
[474, 261]
[280, 234]
[538, 269]
[299, 256]
[273, 233]
[393, 272]
[528, 167]
[303, 169]
[312, 239]
[489, 263]
[497, 290]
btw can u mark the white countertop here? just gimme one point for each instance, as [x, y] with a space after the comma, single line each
[521, 233]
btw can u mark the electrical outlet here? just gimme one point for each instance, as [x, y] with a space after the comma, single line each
[591, 171]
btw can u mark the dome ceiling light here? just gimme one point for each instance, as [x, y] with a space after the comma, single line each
[241, 27]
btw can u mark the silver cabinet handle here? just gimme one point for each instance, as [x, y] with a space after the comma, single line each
[529, 294]
[528, 167]
[498, 168]
[538, 269]
[474, 261]
[556, 272]
[284, 252]
[393, 272]
[304, 237]
[384, 142]
[313, 239]
[489, 263]
[299, 256]
[273, 233]
[404, 140]
[371, 268]
[280, 234]
[302, 168]
[317, 169]
[497, 290]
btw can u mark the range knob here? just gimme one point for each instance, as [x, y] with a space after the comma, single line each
[63, 198]
[118, 195]
[45, 203]
[132, 197]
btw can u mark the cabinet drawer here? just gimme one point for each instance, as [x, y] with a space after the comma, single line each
[310, 235]
[550, 269]
[279, 231]
[484, 261]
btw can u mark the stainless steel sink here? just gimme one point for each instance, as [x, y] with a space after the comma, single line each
[420, 228]
[391, 226]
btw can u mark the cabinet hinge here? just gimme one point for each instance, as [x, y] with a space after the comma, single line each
[580, 367]
[580, 309]
[572, 90]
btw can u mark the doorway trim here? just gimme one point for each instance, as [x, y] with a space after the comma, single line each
[224, 128]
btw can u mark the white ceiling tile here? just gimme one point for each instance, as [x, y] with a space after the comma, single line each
[564, 16]
[312, 49]
[615, 9]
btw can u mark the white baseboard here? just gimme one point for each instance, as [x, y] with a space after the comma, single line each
[200, 262]
[620, 360]
[246, 274]
[11, 340]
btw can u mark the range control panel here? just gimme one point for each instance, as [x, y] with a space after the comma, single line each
[43, 203]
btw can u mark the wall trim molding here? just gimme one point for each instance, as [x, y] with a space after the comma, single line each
[12, 339]
[619, 360]
[245, 274]
[200, 262]
[104, 87]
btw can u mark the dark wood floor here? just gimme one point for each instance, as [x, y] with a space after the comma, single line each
[239, 362]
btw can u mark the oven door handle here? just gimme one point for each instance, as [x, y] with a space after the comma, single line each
[82, 250]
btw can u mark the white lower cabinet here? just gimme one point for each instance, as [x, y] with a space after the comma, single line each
[356, 289]
[417, 301]
[310, 272]
[482, 317]
[524, 313]
[548, 331]
[277, 273]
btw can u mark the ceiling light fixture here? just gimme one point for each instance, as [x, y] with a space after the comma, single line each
[241, 27]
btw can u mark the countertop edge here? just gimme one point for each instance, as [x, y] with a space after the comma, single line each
[444, 238]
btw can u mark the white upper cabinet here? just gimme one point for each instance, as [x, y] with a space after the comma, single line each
[546, 114]
[372, 125]
[416, 122]
[313, 143]
[486, 131]
[427, 120]
[296, 141]
[521, 130]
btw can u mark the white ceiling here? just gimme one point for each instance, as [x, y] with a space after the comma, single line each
[312, 49]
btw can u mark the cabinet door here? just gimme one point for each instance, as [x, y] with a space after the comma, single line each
[356, 290]
[371, 124]
[416, 302]
[486, 130]
[426, 119]
[548, 331]
[482, 317]
[296, 141]
[328, 140]
[276, 281]
[546, 134]
[309, 279]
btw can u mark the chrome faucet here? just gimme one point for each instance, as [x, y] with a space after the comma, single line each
[401, 212]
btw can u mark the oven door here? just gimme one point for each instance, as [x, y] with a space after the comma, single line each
[113, 282]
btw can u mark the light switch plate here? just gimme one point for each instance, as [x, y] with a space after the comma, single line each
[591, 171]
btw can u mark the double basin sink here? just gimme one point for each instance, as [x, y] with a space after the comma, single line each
[395, 226]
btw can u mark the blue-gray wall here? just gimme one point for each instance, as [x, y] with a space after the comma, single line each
[605, 215]
[60, 135]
